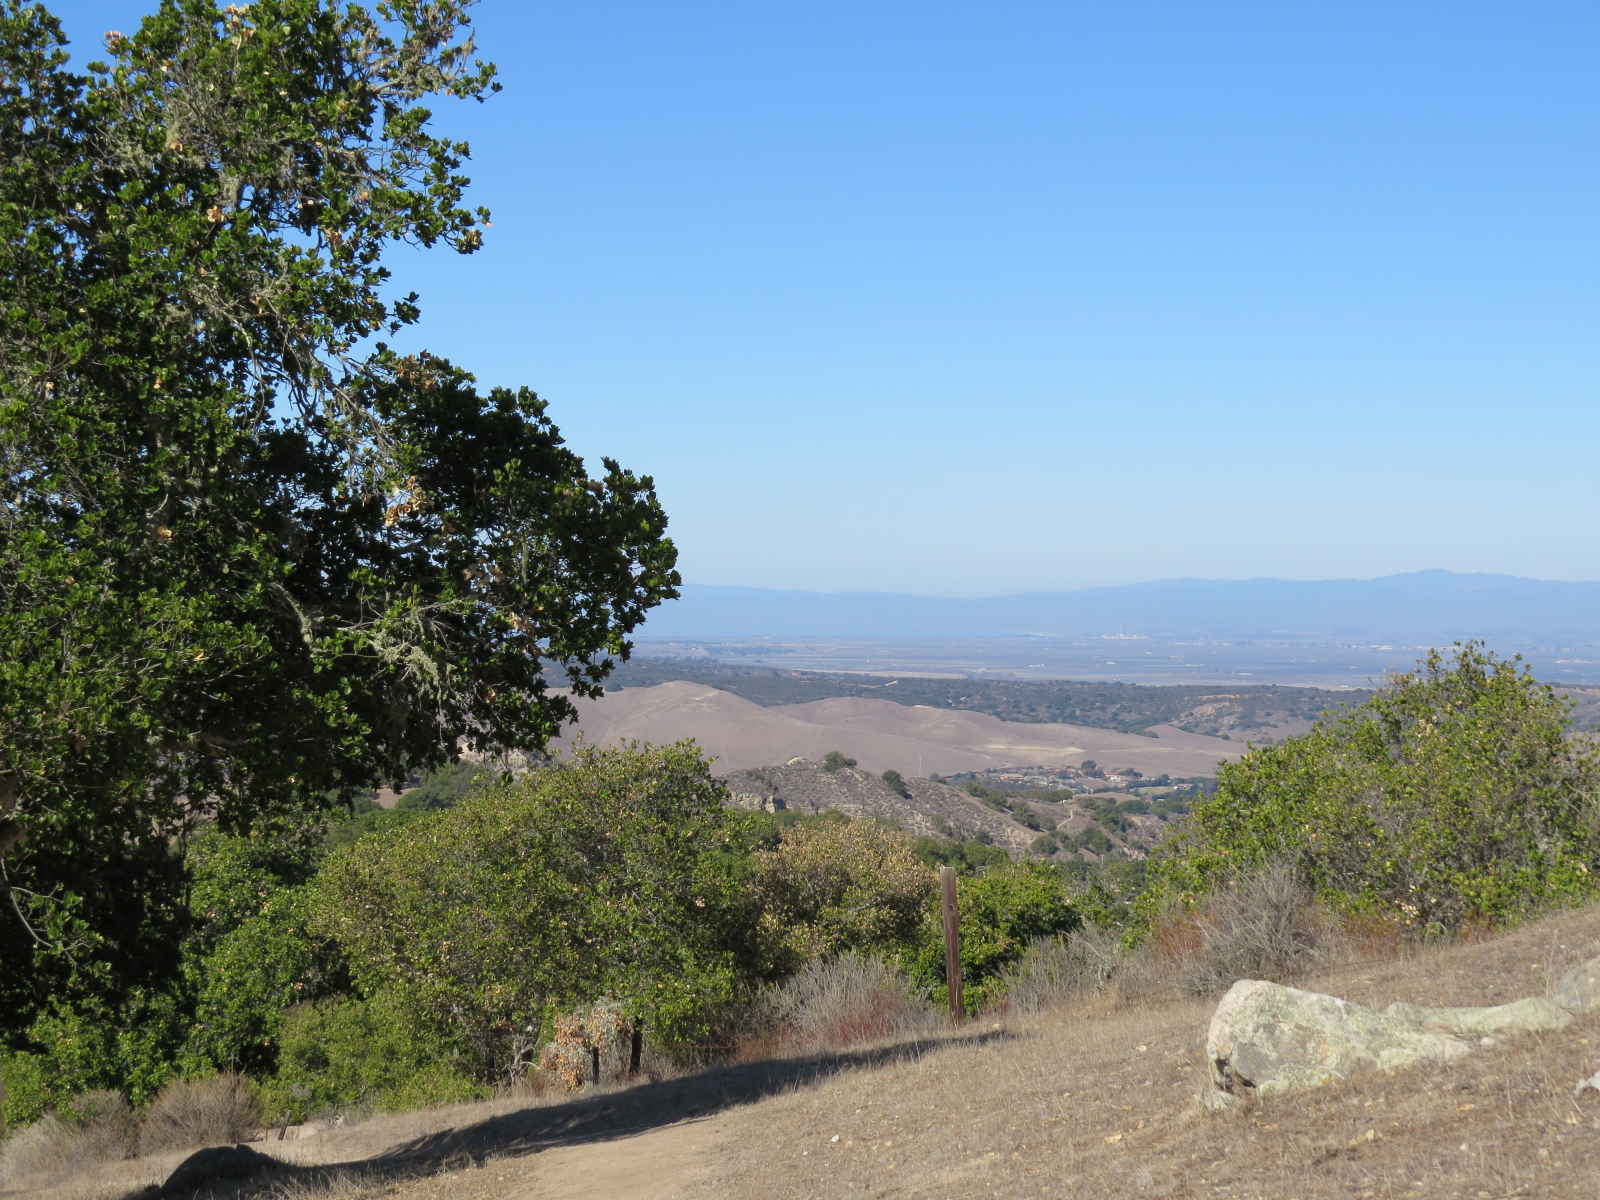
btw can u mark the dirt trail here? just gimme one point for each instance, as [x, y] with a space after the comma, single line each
[660, 1165]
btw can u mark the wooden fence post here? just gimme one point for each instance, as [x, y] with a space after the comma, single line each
[952, 943]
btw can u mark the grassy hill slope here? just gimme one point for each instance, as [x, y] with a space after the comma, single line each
[880, 734]
[1260, 712]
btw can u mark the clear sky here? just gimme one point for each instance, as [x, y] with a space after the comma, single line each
[1021, 296]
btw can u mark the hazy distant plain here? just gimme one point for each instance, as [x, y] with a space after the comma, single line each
[1151, 660]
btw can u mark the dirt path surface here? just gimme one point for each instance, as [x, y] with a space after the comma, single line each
[662, 1164]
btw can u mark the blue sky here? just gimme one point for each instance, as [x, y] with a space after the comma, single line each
[967, 299]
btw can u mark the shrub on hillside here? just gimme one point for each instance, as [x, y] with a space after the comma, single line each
[94, 1127]
[1002, 912]
[47, 1146]
[212, 1111]
[1054, 971]
[833, 1003]
[834, 887]
[105, 1123]
[131, 1049]
[252, 975]
[588, 1045]
[1262, 925]
[344, 1053]
[619, 873]
[1452, 796]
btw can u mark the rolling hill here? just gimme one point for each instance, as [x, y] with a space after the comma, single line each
[880, 734]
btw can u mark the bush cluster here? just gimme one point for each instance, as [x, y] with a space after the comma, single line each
[1453, 796]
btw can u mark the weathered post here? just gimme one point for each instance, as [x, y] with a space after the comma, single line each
[636, 1050]
[952, 943]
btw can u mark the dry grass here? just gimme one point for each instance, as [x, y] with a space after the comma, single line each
[1262, 926]
[214, 1111]
[100, 1129]
[834, 1004]
[1100, 1101]
[1092, 1099]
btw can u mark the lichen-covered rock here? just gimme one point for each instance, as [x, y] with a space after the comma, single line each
[1268, 1037]
[1578, 991]
[1532, 1014]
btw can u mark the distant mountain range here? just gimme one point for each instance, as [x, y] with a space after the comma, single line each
[1423, 604]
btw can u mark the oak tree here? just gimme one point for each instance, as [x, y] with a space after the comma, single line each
[253, 558]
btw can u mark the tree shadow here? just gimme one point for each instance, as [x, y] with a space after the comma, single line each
[242, 1171]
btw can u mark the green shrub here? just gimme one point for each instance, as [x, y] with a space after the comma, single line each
[252, 976]
[344, 1053]
[73, 1051]
[834, 887]
[26, 1089]
[1002, 912]
[619, 873]
[967, 857]
[447, 786]
[1452, 796]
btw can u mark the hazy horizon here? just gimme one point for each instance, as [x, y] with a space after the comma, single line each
[990, 594]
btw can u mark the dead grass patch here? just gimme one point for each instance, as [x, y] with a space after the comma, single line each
[100, 1128]
[834, 1004]
[213, 1111]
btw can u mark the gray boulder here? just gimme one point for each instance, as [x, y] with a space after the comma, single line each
[1532, 1014]
[1268, 1037]
[1578, 991]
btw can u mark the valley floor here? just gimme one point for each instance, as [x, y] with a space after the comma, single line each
[1094, 1101]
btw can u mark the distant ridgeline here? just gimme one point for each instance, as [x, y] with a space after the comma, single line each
[1126, 707]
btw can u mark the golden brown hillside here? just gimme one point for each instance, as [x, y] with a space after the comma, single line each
[882, 735]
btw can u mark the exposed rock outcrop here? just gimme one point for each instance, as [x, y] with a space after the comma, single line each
[1578, 991]
[1265, 1037]
[925, 806]
[1268, 1037]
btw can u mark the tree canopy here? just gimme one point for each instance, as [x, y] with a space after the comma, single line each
[253, 558]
